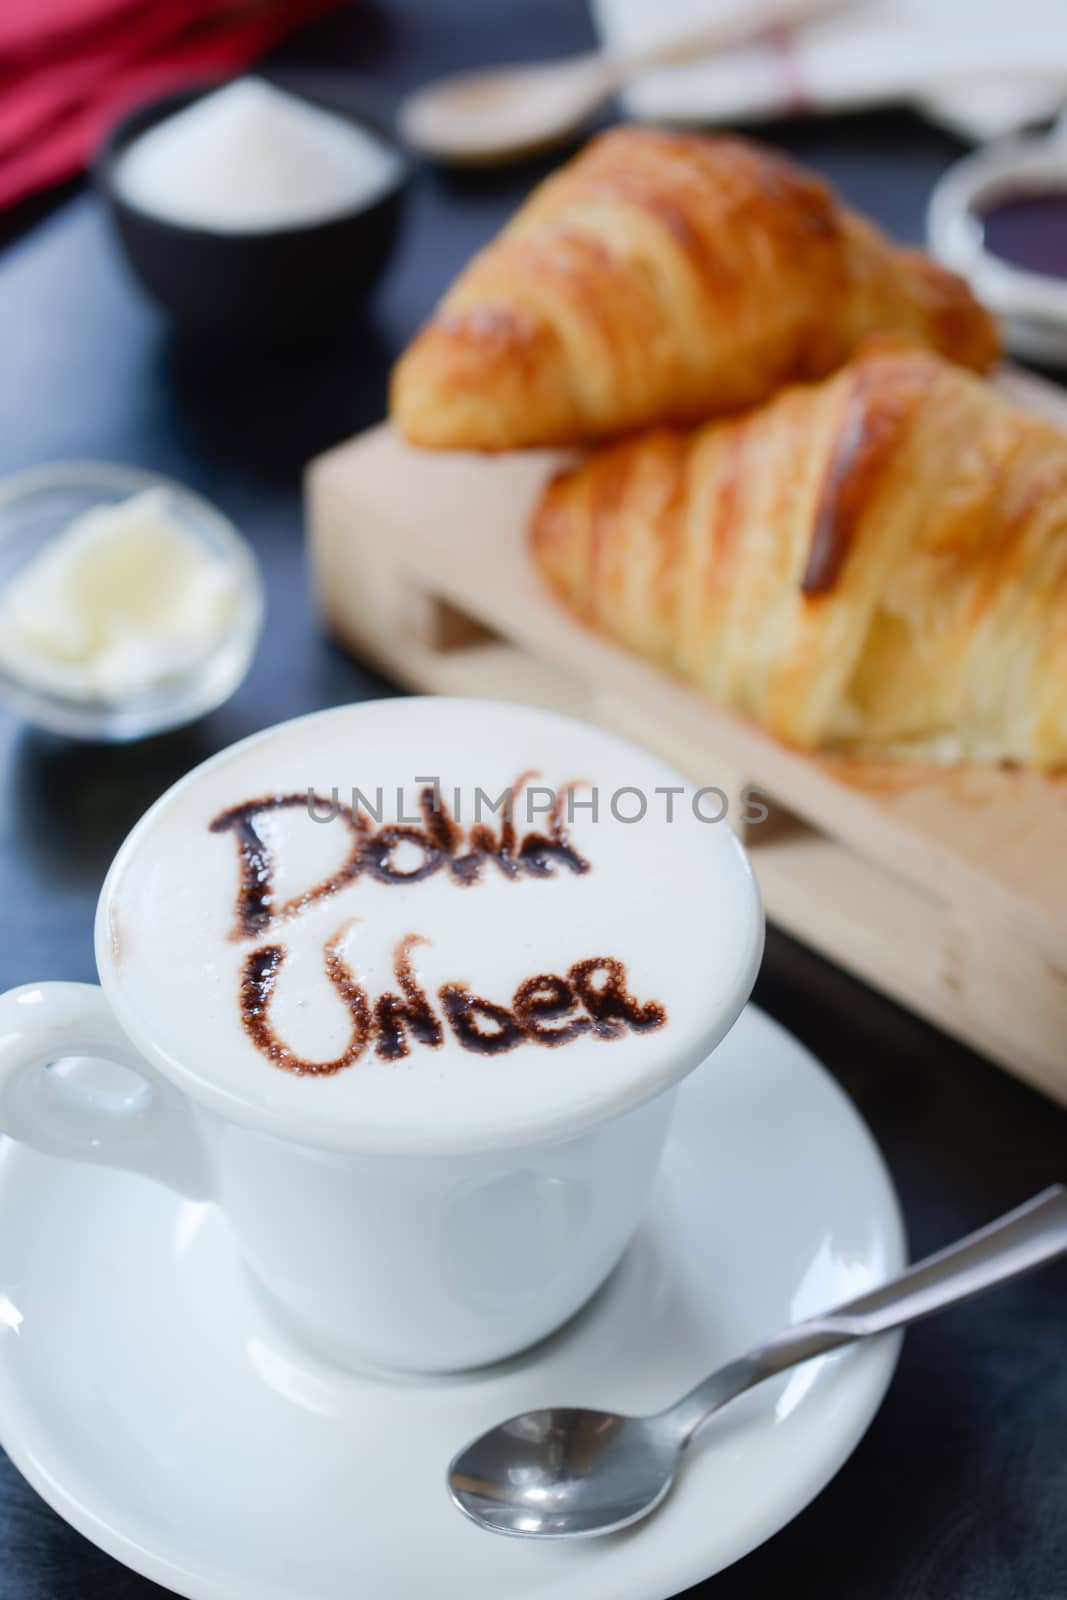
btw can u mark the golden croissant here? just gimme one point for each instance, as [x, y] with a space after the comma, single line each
[877, 562]
[665, 277]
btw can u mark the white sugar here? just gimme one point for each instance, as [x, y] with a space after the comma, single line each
[252, 158]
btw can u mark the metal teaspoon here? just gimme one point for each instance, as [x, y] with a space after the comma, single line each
[566, 1473]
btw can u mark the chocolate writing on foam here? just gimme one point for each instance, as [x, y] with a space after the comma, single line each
[439, 845]
[593, 998]
[548, 1009]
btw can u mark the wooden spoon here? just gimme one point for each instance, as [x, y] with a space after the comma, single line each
[501, 113]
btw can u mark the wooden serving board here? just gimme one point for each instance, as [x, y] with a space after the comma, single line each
[947, 889]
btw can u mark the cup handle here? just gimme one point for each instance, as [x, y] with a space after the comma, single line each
[156, 1135]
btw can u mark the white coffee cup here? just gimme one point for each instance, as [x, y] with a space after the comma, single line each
[424, 1062]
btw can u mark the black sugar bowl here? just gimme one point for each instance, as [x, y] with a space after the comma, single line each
[233, 281]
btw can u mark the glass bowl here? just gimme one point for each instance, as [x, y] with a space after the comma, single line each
[1031, 305]
[38, 505]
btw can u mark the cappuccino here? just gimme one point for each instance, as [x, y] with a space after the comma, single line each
[428, 924]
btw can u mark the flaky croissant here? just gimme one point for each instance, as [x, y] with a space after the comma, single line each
[665, 277]
[877, 562]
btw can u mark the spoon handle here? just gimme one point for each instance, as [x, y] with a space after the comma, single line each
[1026, 1238]
[737, 27]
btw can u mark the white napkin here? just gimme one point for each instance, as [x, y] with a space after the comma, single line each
[981, 67]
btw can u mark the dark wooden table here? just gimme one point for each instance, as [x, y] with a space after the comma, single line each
[959, 1491]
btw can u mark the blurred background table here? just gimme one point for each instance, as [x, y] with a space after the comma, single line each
[959, 1491]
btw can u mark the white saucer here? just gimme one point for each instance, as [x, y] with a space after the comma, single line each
[149, 1399]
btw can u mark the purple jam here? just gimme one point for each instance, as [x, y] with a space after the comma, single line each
[1029, 231]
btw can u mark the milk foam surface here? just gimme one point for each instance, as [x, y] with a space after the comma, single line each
[672, 900]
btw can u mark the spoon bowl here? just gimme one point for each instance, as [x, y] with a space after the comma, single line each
[497, 116]
[565, 1471]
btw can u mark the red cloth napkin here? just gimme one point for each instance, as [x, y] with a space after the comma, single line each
[70, 68]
